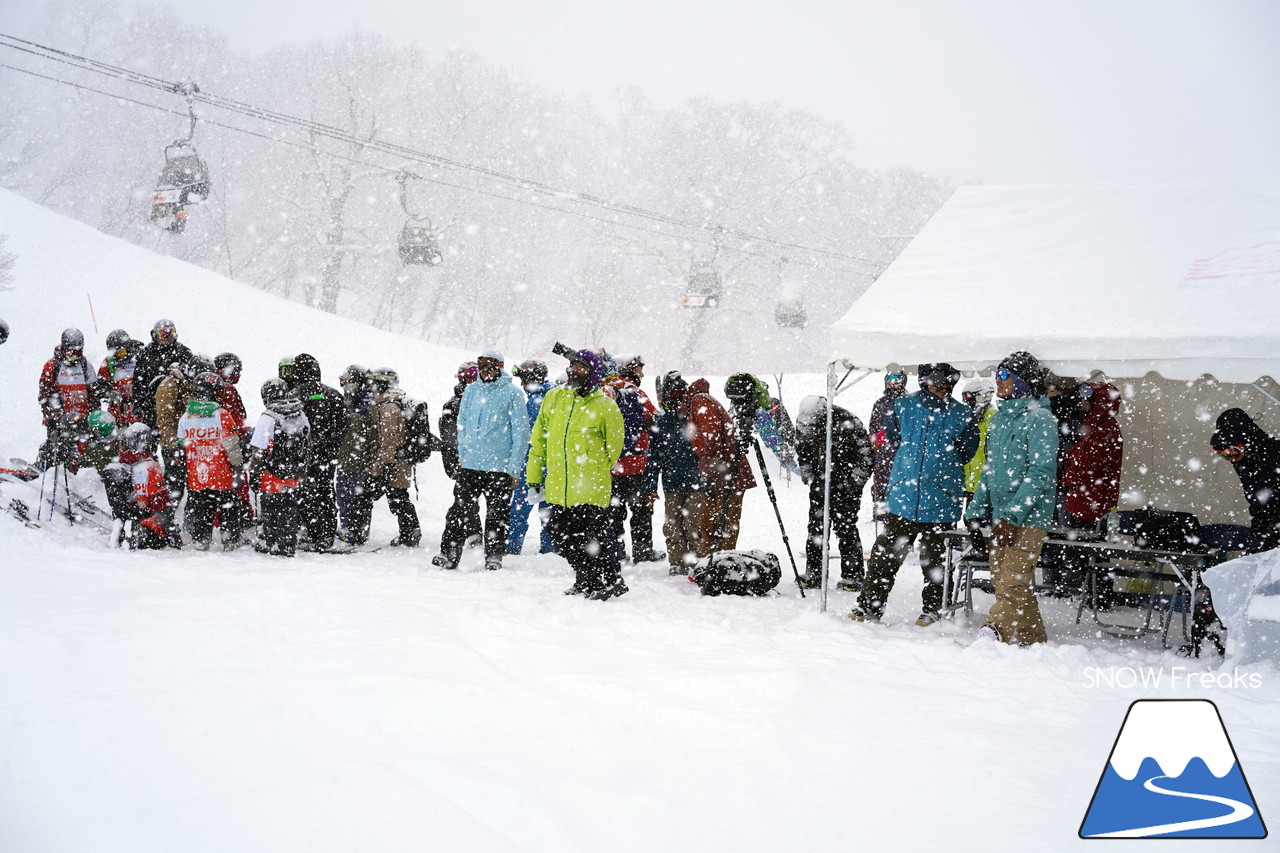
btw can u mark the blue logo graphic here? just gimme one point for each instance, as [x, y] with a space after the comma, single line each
[1173, 773]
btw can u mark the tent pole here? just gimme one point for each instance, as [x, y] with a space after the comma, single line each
[1265, 393]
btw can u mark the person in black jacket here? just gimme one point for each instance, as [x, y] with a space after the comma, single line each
[673, 460]
[851, 464]
[327, 417]
[463, 514]
[153, 365]
[1256, 457]
[895, 385]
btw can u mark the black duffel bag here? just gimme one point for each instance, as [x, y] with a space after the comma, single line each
[738, 573]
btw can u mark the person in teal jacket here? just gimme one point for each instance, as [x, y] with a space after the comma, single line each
[1017, 488]
[577, 439]
[932, 435]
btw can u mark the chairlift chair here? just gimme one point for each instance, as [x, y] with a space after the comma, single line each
[790, 314]
[418, 245]
[183, 180]
[703, 288]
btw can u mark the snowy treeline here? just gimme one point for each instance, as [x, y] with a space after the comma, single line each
[317, 220]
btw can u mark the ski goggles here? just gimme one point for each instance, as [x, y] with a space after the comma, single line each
[165, 336]
[1232, 453]
[1004, 374]
[895, 379]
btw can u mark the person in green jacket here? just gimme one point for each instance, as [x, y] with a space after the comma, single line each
[576, 440]
[979, 395]
[1017, 488]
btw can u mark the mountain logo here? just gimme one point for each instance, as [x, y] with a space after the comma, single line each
[1173, 773]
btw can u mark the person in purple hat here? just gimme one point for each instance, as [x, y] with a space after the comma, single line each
[576, 440]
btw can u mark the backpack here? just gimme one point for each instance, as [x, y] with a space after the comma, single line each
[1165, 530]
[419, 441]
[738, 573]
[290, 450]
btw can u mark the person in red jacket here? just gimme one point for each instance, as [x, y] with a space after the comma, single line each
[724, 467]
[150, 505]
[1091, 471]
[116, 377]
[68, 393]
[1090, 480]
[213, 454]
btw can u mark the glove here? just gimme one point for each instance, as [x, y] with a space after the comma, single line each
[536, 495]
[1003, 534]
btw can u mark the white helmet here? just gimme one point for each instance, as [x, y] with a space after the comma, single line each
[978, 393]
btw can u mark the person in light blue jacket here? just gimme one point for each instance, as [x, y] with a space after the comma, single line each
[931, 435]
[1018, 485]
[493, 443]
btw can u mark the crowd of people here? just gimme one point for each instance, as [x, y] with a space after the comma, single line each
[1020, 454]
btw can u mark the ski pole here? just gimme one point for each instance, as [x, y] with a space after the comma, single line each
[773, 498]
[40, 506]
[66, 484]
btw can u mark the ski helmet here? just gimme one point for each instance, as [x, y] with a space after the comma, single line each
[531, 371]
[118, 339]
[630, 366]
[207, 386]
[102, 423]
[228, 364]
[164, 333]
[895, 379]
[72, 339]
[200, 363]
[978, 393]
[938, 374]
[136, 437]
[384, 378]
[284, 369]
[274, 391]
[468, 372]
[4, 331]
[354, 378]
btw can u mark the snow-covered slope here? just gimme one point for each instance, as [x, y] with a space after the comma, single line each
[234, 702]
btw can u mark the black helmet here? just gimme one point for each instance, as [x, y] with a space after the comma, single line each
[355, 377]
[275, 390]
[72, 339]
[200, 363]
[939, 374]
[207, 386]
[4, 331]
[118, 339]
[229, 365]
[531, 370]
[306, 368]
[384, 378]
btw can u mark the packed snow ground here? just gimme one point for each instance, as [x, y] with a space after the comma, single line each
[216, 702]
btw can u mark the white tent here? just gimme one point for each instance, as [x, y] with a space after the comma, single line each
[1171, 290]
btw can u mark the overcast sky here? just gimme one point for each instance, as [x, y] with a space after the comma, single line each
[1007, 91]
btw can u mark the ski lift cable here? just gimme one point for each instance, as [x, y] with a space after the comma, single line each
[412, 155]
[610, 221]
[335, 133]
[614, 222]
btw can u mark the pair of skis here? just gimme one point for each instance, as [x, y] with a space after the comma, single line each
[79, 508]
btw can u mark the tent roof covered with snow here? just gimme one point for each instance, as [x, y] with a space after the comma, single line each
[1179, 279]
